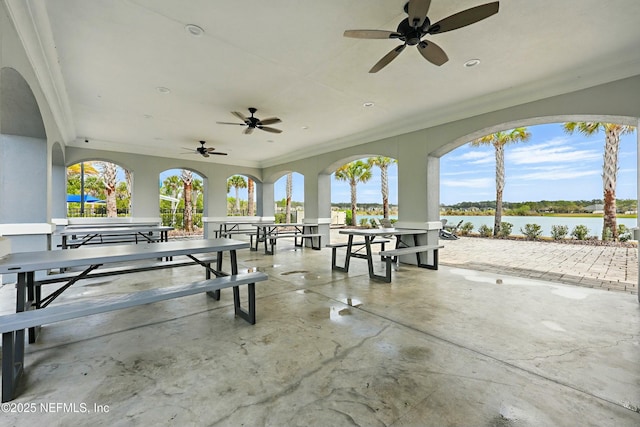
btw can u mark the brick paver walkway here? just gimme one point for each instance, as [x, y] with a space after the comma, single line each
[605, 267]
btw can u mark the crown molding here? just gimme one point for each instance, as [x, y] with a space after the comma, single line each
[32, 25]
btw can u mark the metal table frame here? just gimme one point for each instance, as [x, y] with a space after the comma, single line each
[369, 236]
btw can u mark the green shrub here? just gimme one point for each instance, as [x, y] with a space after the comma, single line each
[364, 222]
[485, 230]
[531, 231]
[580, 232]
[559, 232]
[347, 218]
[466, 228]
[373, 223]
[505, 229]
[624, 234]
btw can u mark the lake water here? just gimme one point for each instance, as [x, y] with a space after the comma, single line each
[545, 222]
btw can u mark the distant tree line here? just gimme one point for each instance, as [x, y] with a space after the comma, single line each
[362, 206]
[540, 207]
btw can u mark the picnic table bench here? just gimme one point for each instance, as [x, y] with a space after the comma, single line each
[74, 237]
[270, 233]
[12, 324]
[390, 255]
[31, 312]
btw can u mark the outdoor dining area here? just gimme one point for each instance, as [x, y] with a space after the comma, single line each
[332, 348]
[112, 312]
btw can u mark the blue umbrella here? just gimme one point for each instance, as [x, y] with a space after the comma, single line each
[75, 198]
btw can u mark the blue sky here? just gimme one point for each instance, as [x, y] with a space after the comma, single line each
[552, 165]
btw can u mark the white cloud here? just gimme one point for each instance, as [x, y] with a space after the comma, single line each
[474, 157]
[554, 173]
[469, 183]
[557, 150]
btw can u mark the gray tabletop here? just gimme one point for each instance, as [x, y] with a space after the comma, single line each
[382, 231]
[21, 262]
[113, 230]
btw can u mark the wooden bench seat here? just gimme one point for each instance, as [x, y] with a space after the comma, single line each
[12, 326]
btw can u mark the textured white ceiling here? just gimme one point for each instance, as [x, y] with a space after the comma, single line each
[289, 59]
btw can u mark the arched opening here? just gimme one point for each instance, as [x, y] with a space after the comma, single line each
[554, 173]
[182, 202]
[98, 188]
[364, 191]
[24, 165]
[289, 198]
[241, 195]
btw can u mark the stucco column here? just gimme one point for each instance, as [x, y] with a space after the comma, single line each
[419, 196]
[216, 200]
[265, 202]
[317, 203]
[145, 204]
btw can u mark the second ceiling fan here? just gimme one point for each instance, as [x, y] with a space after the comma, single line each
[254, 123]
[417, 25]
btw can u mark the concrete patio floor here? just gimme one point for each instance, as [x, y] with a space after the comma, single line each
[455, 347]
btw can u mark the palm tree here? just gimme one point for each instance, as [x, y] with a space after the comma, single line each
[172, 187]
[383, 163]
[498, 140]
[609, 167]
[109, 172]
[89, 169]
[250, 197]
[129, 179]
[237, 182]
[187, 181]
[353, 173]
[289, 190]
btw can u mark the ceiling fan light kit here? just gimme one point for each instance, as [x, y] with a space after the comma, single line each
[205, 151]
[412, 29]
[253, 122]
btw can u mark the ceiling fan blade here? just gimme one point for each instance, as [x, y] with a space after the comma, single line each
[371, 34]
[205, 155]
[248, 131]
[268, 129]
[464, 18]
[218, 153]
[387, 58]
[270, 121]
[229, 123]
[210, 150]
[239, 115]
[418, 10]
[432, 52]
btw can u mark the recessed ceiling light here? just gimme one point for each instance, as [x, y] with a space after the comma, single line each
[269, 140]
[194, 30]
[305, 127]
[471, 63]
[368, 104]
[147, 116]
[163, 89]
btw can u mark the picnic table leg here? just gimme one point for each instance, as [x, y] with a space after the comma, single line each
[387, 277]
[347, 258]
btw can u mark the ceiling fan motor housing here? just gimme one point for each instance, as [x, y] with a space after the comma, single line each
[412, 35]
